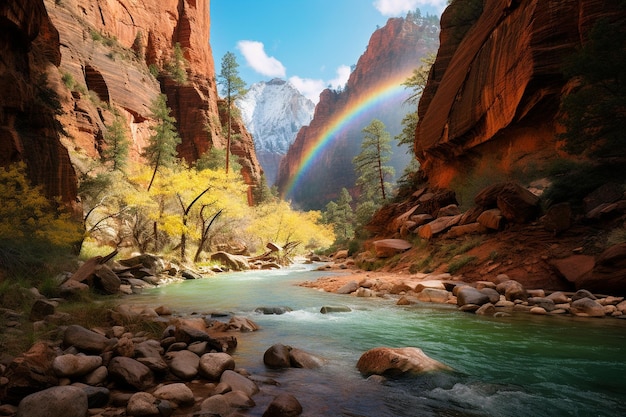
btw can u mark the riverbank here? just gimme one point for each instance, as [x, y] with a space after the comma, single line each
[499, 297]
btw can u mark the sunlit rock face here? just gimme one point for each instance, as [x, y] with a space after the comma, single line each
[392, 54]
[106, 48]
[492, 99]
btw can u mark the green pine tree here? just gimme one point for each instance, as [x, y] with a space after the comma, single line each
[233, 87]
[161, 149]
[117, 144]
[370, 163]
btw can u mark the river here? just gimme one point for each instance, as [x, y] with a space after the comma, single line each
[523, 365]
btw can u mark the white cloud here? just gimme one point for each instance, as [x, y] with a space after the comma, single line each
[401, 7]
[311, 88]
[257, 59]
[343, 73]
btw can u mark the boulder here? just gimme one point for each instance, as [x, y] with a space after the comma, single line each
[272, 310]
[491, 219]
[241, 324]
[215, 405]
[239, 399]
[184, 364]
[470, 295]
[189, 274]
[213, 365]
[40, 309]
[438, 226]
[234, 262]
[607, 193]
[396, 361]
[105, 280]
[283, 405]
[335, 309]
[75, 365]
[96, 377]
[587, 307]
[277, 356]
[29, 373]
[516, 204]
[512, 290]
[543, 302]
[128, 372]
[387, 248]
[96, 396]
[301, 359]
[449, 210]
[62, 401]
[433, 295]
[142, 404]
[86, 340]
[494, 296]
[152, 263]
[177, 393]
[421, 219]
[348, 288]
[583, 294]
[487, 309]
[239, 382]
[558, 297]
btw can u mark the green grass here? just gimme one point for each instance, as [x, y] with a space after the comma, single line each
[459, 263]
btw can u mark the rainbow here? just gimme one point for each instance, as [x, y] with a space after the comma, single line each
[354, 113]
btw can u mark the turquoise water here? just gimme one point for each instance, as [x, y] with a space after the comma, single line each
[517, 366]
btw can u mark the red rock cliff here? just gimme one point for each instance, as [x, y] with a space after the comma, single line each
[392, 53]
[29, 48]
[107, 47]
[493, 95]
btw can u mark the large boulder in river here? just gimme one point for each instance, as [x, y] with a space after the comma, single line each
[283, 405]
[470, 295]
[396, 361]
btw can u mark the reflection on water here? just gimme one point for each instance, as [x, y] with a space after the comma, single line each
[518, 366]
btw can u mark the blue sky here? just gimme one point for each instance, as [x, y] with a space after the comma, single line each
[311, 43]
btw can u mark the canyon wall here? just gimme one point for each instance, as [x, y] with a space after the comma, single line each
[392, 54]
[492, 99]
[112, 57]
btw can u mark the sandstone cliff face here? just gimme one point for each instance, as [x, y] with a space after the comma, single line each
[392, 54]
[493, 95]
[29, 49]
[106, 49]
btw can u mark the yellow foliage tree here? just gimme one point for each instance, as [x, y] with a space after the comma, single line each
[29, 221]
[277, 222]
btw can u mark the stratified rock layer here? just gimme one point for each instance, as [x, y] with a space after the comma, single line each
[492, 98]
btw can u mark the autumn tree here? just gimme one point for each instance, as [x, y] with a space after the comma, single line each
[33, 229]
[161, 149]
[233, 87]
